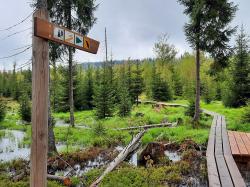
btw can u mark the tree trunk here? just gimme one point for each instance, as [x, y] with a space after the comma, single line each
[71, 99]
[54, 86]
[197, 95]
[70, 49]
[51, 136]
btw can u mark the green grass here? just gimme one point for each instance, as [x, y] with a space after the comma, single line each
[233, 115]
[86, 137]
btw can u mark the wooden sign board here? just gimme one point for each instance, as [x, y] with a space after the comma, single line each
[50, 31]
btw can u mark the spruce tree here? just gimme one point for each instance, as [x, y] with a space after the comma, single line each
[160, 88]
[137, 84]
[2, 110]
[177, 83]
[208, 31]
[124, 100]
[25, 107]
[104, 95]
[76, 15]
[84, 89]
[240, 86]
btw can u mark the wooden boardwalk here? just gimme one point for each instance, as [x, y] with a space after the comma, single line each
[222, 169]
[221, 166]
[239, 143]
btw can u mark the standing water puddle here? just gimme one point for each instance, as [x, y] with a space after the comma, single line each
[11, 147]
[172, 155]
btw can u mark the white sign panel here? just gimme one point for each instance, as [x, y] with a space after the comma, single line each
[78, 40]
[58, 33]
[69, 37]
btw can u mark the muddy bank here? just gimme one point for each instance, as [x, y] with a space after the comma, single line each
[78, 163]
[180, 164]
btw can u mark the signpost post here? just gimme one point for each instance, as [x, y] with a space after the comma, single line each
[44, 31]
[40, 90]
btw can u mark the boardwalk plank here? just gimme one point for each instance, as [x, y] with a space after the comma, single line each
[240, 143]
[226, 145]
[218, 141]
[233, 143]
[225, 177]
[234, 171]
[213, 175]
[246, 141]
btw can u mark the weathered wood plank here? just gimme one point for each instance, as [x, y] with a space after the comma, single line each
[240, 143]
[224, 174]
[213, 175]
[226, 145]
[233, 143]
[246, 141]
[218, 140]
[211, 140]
[234, 171]
[40, 88]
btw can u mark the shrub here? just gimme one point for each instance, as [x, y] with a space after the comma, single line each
[25, 108]
[245, 118]
[190, 109]
[2, 110]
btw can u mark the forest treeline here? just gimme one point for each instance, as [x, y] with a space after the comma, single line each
[113, 88]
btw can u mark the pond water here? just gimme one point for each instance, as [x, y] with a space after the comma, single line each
[11, 146]
[172, 155]
[62, 123]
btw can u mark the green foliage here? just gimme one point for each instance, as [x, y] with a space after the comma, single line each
[124, 100]
[208, 89]
[25, 108]
[178, 85]
[104, 93]
[191, 108]
[84, 89]
[239, 86]
[99, 129]
[165, 52]
[160, 88]
[208, 29]
[137, 82]
[246, 114]
[2, 110]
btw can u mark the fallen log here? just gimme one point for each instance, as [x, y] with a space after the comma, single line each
[147, 126]
[122, 155]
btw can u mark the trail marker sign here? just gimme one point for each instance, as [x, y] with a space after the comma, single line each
[62, 35]
[78, 40]
[69, 37]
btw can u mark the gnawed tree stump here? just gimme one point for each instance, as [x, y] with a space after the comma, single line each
[155, 150]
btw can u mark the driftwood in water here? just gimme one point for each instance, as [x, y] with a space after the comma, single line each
[147, 126]
[125, 152]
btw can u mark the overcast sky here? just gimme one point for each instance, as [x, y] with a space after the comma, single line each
[133, 26]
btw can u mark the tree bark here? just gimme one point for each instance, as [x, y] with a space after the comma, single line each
[197, 95]
[51, 136]
[71, 94]
[71, 97]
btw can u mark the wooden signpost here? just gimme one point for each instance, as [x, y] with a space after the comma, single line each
[50, 31]
[44, 31]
